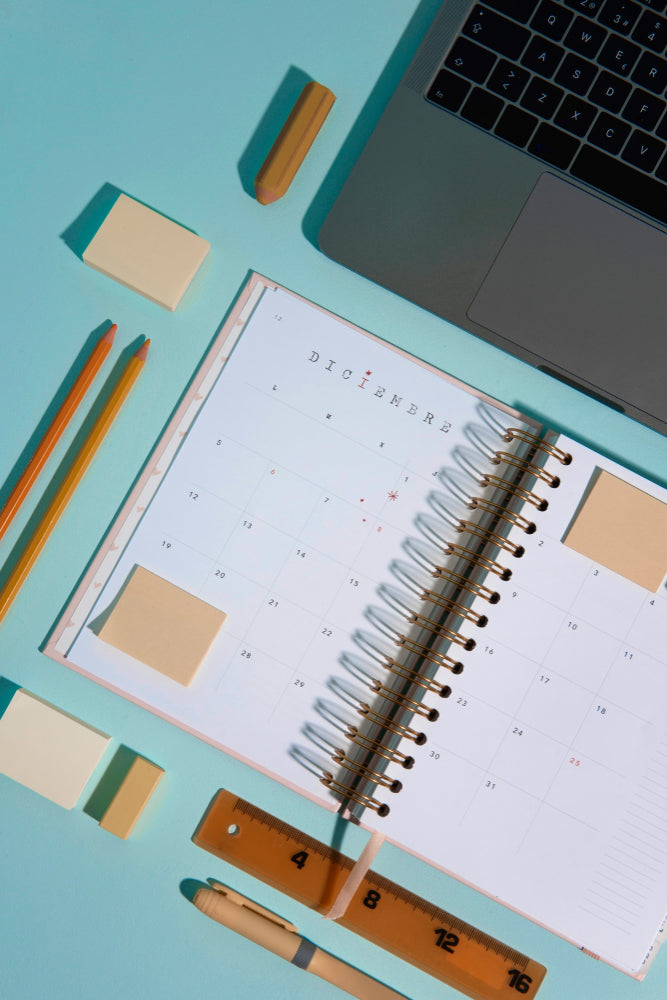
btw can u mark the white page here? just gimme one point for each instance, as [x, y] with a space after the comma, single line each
[284, 507]
[544, 782]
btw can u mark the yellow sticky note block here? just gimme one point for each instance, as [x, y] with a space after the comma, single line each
[130, 800]
[622, 528]
[165, 627]
[146, 252]
[48, 750]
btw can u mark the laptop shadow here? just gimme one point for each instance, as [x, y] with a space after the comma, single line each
[388, 81]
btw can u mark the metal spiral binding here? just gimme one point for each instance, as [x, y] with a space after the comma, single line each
[519, 434]
[351, 794]
[434, 612]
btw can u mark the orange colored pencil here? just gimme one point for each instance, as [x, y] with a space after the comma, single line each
[74, 475]
[56, 428]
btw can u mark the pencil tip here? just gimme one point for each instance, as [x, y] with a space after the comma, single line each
[143, 350]
[110, 333]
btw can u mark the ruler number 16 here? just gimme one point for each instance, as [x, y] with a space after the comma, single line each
[519, 981]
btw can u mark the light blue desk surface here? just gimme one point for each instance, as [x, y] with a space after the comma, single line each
[176, 104]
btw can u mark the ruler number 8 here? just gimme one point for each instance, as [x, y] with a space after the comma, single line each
[372, 899]
[519, 981]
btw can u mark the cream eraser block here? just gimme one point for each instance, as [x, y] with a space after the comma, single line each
[146, 252]
[162, 625]
[130, 800]
[48, 750]
[623, 528]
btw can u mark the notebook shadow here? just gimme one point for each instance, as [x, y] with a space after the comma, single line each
[367, 119]
[269, 127]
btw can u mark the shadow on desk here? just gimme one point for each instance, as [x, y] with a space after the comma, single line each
[388, 81]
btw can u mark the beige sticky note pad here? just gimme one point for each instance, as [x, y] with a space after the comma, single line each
[47, 750]
[622, 528]
[130, 800]
[146, 252]
[165, 627]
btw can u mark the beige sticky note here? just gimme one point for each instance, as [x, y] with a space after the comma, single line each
[622, 528]
[146, 252]
[130, 800]
[165, 627]
[47, 750]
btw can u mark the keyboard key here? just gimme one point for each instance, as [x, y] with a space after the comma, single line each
[448, 90]
[661, 172]
[656, 5]
[610, 92]
[643, 150]
[542, 56]
[508, 80]
[618, 55]
[520, 10]
[620, 15]
[515, 125]
[651, 73]
[554, 146]
[503, 36]
[585, 37]
[576, 115]
[482, 108]
[551, 19]
[470, 60]
[643, 109]
[588, 7]
[609, 133]
[576, 74]
[541, 97]
[651, 31]
[662, 128]
[621, 181]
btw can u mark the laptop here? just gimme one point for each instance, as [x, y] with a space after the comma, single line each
[516, 185]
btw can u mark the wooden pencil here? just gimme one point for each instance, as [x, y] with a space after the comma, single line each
[56, 428]
[72, 479]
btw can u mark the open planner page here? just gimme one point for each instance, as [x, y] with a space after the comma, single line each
[269, 533]
[545, 781]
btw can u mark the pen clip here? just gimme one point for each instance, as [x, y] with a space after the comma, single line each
[236, 897]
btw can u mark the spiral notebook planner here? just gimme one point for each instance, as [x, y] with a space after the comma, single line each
[411, 604]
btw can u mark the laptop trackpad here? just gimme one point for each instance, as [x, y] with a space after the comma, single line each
[582, 285]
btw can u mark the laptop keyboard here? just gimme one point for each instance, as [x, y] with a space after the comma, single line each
[580, 84]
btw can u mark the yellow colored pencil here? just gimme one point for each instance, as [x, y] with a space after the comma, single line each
[55, 430]
[72, 479]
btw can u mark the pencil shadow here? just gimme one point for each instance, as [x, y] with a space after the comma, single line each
[269, 127]
[50, 412]
[367, 119]
[68, 459]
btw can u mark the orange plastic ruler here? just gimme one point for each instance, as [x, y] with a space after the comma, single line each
[381, 911]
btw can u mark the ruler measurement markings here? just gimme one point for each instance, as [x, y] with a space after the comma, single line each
[383, 912]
